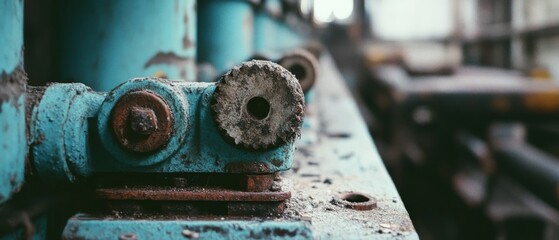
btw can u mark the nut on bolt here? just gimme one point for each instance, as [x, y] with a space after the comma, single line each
[303, 65]
[141, 121]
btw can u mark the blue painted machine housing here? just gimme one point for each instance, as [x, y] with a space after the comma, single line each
[196, 145]
[78, 228]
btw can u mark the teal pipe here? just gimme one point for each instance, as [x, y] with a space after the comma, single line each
[12, 99]
[102, 42]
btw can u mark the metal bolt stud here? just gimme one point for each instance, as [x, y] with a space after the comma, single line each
[141, 121]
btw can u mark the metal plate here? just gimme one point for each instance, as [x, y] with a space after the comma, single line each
[190, 194]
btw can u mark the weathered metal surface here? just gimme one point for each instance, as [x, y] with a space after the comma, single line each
[141, 121]
[337, 155]
[64, 148]
[13, 82]
[301, 63]
[257, 183]
[225, 33]
[85, 227]
[104, 43]
[190, 194]
[59, 131]
[11, 30]
[259, 105]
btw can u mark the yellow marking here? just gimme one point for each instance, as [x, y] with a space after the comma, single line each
[540, 74]
[542, 102]
[160, 74]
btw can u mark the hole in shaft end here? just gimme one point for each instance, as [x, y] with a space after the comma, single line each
[299, 71]
[258, 107]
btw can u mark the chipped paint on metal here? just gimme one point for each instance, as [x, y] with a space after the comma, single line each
[11, 35]
[59, 128]
[64, 148]
[225, 33]
[104, 43]
[13, 146]
[83, 227]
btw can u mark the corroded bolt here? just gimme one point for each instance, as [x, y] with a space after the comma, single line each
[259, 105]
[143, 121]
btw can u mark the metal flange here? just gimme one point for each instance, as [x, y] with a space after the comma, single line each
[303, 65]
[259, 105]
[143, 121]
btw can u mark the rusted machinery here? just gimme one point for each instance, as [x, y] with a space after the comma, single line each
[164, 127]
[476, 130]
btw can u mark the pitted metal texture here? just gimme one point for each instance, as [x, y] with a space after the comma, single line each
[259, 105]
[142, 121]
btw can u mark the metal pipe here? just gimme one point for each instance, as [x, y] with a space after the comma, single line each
[225, 33]
[13, 81]
[103, 43]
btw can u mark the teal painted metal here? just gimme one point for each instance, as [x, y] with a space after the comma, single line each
[102, 43]
[59, 129]
[65, 149]
[11, 35]
[225, 33]
[80, 227]
[12, 99]
[265, 36]
[266, 21]
[290, 39]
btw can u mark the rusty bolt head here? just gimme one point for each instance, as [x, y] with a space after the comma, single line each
[142, 121]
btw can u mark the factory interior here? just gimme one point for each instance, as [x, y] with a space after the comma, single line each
[279, 119]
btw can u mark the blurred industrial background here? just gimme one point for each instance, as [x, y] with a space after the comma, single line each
[430, 119]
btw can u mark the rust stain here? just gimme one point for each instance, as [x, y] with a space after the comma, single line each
[121, 118]
[186, 42]
[542, 102]
[277, 162]
[12, 85]
[247, 167]
[257, 183]
[190, 194]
